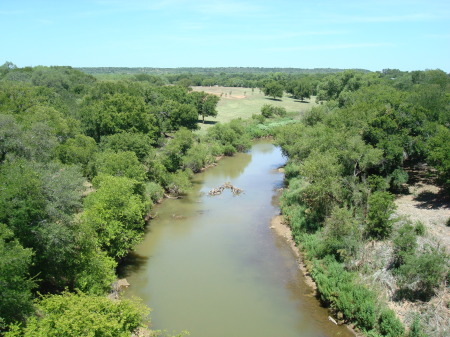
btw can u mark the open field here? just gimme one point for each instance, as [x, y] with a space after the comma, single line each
[244, 102]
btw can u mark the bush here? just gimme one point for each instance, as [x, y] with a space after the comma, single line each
[379, 218]
[258, 118]
[83, 315]
[389, 324]
[269, 110]
[337, 289]
[404, 243]
[398, 178]
[341, 234]
[314, 115]
[178, 183]
[154, 191]
[416, 329]
[421, 274]
[231, 135]
[420, 228]
[197, 157]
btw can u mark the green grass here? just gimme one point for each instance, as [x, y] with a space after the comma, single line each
[243, 103]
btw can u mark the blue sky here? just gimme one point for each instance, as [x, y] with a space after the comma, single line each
[374, 35]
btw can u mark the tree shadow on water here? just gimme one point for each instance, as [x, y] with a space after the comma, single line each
[130, 264]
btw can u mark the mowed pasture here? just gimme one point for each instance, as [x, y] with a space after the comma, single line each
[244, 102]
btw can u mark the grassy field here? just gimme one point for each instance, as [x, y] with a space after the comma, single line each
[244, 102]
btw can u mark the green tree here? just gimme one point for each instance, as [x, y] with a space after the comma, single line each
[300, 89]
[22, 203]
[380, 219]
[119, 164]
[273, 89]
[422, 273]
[82, 315]
[176, 149]
[206, 104]
[139, 143]
[439, 154]
[15, 282]
[78, 150]
[175, 115]
[321, 172]
[341, 234]
[117, 113]
[10, 137]
[405, 243]
[116, 213]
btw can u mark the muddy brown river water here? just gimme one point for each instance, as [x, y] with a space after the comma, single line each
[211, 265]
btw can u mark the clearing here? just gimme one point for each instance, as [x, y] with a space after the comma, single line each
[244, 102]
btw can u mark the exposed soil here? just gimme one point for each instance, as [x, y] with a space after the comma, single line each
[427, 203]
[282, 229]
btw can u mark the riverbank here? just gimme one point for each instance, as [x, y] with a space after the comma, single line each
[282, 229]
[279, 226]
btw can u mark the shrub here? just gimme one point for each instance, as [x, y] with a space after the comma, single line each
[389, 324]
[404, 243]
[379, 218]
[269, 110]
[84, 316]
[420, 228]
[197, 157]
[341, 235]
[398, 178]
[258, 118]
[416, 329]
[154, 191]
[337, 289]
[424, 272]
[178, 183]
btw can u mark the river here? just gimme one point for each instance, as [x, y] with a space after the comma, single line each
[211, 265]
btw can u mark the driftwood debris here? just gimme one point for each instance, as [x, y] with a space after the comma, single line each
[227, 185]
[331, 319]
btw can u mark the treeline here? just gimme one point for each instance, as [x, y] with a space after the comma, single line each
[228, 77]
[207, 71]
[348, 157]
[81, 164]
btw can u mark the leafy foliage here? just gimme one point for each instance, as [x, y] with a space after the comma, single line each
[379, 218]
[273, 89]
[422, 273]
[116, 213]
[78, 314]
[16, 284]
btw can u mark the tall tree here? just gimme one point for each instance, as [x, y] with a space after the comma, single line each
[273, 89]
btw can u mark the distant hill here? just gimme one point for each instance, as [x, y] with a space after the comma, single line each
[195, 70]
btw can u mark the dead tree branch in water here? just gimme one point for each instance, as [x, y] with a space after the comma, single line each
[227, 185]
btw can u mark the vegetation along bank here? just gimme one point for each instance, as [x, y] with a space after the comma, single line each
[83, 159]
